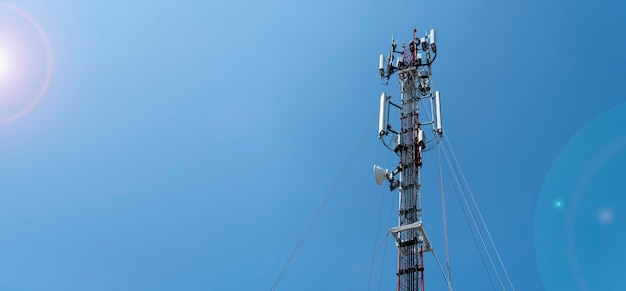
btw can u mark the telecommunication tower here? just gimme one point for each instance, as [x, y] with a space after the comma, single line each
[412, 64]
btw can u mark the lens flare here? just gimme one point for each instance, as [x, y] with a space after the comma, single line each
[558, 203]
[9, 66]
[580, 246]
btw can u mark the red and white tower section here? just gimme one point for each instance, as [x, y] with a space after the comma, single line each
[419, 111]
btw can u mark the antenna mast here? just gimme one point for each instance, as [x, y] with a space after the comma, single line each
[412, 65]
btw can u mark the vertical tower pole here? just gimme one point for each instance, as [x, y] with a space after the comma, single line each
[410, 211]
[414, 74]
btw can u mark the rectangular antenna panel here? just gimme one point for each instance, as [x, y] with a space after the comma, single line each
[438, 112]
[382, 121]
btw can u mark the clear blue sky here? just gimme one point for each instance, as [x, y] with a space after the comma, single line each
[185, 145]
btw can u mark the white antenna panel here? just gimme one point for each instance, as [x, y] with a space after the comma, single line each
[396, 143]
[438, 112]
[421, 138]
[382, 121]
[432, 36]
[381, 65]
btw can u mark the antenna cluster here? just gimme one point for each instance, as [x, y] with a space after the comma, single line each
[420, 51]
[413, 65]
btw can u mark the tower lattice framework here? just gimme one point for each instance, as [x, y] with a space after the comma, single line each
[413, 69]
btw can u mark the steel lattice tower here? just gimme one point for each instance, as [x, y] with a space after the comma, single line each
[414, 72]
